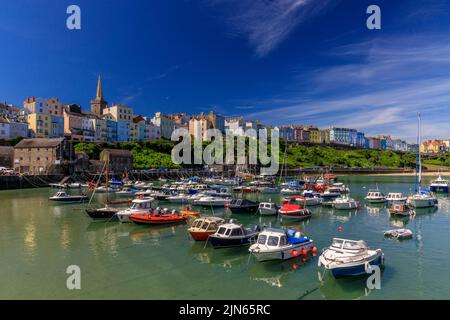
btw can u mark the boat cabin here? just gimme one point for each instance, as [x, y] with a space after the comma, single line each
[374, 194]
[267, 205]
[207, 224]
[231, 230]
[60, 194]
[395, 196]
[352, 245]
[141, 204]
[272, 238]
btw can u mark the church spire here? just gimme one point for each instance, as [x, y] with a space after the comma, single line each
[99, 95]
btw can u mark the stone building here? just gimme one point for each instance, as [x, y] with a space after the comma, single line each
[43, 156]
[6, 156]
[120, 161]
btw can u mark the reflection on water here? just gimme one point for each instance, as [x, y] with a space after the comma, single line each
[40, 240]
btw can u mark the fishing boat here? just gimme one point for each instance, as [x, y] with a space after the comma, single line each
[345, 203]
[396, 196]
[243, 206]
[398, 234]
[138, 206]
[329, 195]
[203, 227]
[209, 201]
[62, 197]
[310, 198]
[439, 185]
[233, 234]
[158, 218]
[401, 209]
[291, 210]
[422, 198]
[350, 258]
[278, 244]
[267, 209]
[375, 196]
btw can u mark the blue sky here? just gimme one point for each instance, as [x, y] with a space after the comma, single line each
[283, 62]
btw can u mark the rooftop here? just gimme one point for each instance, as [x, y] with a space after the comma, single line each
[39, 143]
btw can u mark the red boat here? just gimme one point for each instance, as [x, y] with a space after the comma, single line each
[158, 218]
[291, 210]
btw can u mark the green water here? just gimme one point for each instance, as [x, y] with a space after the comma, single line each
[38, 240]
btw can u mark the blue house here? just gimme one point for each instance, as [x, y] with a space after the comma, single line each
[123, 131]
[111, 128]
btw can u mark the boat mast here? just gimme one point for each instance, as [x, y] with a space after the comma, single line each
[418, 157]
[107, 178]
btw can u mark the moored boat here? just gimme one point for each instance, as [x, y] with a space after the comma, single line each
[375, 196]
[212, 201]
[138, 206]
[232, 234]
[398, 234]
[203, 227]
[267, 209]
[439, 185]
[350, 258]
[345, 203]
[158, 218]
[243, 206]
[278, 244]
[401, 209]
[395, 196]
[290, 210]
[62, 197]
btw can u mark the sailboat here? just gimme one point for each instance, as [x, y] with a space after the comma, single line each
[106, 212]
[422, 198]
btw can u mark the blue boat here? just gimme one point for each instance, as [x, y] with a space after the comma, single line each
[439, 185]
[347, 258]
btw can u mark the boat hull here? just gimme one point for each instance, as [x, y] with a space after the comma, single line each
[218, 242]
[439, 189]
[423, 203]
[345, 206]
[246, 209]
[267, 212]
[357, 269]
[96, 214]
[152, 220]
[200, 235]
[282, 254]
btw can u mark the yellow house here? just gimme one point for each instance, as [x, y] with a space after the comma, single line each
[314, 135]
[432, 146]
[39, 125]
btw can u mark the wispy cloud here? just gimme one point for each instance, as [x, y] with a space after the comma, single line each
[165, 73]
[266, 23]
[379, 91]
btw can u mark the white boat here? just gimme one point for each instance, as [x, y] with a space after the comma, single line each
[306, 200]
[345, 203]
[58, 185]
[125, 192]
[349, 258]
[290, 191]
[63, 197]
[76, 185]
[375, 196]
[145, 193]
[209, 201]
[422, 199]
[277, 244]
[138, 206]
[268, 190]
[267, 209]
[399, 234]
[179, 198]
[396, 196]
[439, 185]
[103, 189]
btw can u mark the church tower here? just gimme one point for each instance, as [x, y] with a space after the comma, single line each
[98, 104]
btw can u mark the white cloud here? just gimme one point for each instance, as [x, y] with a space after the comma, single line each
[267, 23]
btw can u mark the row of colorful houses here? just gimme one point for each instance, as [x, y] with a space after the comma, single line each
[51, 118]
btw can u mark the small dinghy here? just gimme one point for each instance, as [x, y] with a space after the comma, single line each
[243, 206]
[278, 244]
[158, 218]
[349, 258]
[398, 234]
[232, 235]
[63, 197]
[267, 209]
[401, 209]
[202, 228]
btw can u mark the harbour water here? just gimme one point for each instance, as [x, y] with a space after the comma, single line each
[39, 240]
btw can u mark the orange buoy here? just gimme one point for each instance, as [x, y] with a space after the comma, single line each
[304, 252]
[314, 249]
[294, 253]
[340, 229]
